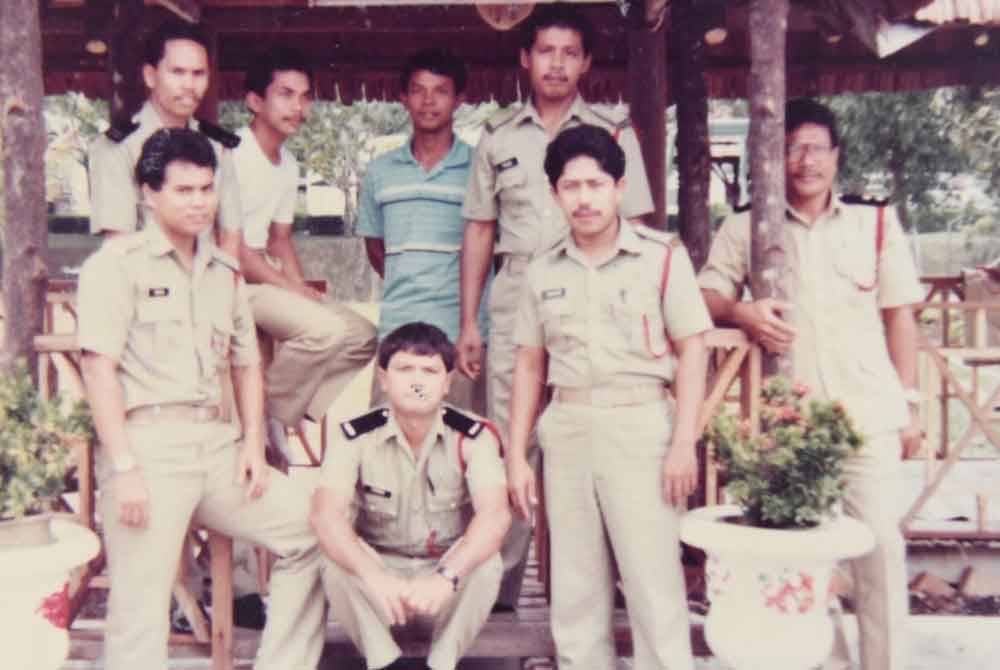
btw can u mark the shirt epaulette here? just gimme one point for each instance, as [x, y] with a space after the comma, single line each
[226, 260]
[219, 134]
[365, 423]
[501, 118]
[851, 199]
[120, 130]
[463, 423]
[745, 207]
[124, 244]
[645, 232]
[616, 125]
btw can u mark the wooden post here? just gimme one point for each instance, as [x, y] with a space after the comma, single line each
[694, 160]
[769, 266]
[22, 131]
[647, 97]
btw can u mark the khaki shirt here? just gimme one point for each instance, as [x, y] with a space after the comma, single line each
[114, 194]
[171, 331]
[508, 182]
[840, 351]
[608, 325]
[413, 507]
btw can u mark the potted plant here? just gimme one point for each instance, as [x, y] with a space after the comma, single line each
[770, 556]
[37, 551]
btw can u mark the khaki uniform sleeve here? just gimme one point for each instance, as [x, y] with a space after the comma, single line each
[113, 197]
[480, 195]
[726, 269]
[637, 199]
[528, 327]
[684, 310]
[484, 462]
[105, 305]
[230, 212]
[342, 466]
[244, 348]
[898, 282]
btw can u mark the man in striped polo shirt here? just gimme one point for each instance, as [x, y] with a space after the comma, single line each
[410, 212]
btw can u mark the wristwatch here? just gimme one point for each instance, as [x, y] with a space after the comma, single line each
[448, 574]
[124, 463]
[912, 396]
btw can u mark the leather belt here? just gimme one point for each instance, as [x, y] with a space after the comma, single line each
[174, 412]
[610, 396]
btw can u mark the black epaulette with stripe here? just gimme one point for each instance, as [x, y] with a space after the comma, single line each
[219, 134]
[365, 423]
[120, 130]
[745, 207]
[850, 199]
[463, 423]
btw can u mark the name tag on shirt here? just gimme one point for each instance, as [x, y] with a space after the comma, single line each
[159, 292]
[553, 293]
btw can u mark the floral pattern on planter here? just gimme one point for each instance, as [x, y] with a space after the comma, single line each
[718, 577]
[788, 591]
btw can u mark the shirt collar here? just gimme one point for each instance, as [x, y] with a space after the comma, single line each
[627, 241]
[393, 430]
[148, 116]
[159, 245]
[577, 110]
[457, 156]
[833, 210]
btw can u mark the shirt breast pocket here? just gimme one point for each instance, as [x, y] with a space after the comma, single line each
[638, 315]
[449, 511]
[162, 322]
[562, 327]
[378, 510]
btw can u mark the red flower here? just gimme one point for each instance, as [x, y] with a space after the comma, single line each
[55, 607]
[801, 390]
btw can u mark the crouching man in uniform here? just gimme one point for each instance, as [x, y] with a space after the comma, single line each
[162, 312]
[411, 509]
[596, 320]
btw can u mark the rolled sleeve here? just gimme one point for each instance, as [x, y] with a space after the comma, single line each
[244, 349]
[484, 463]
[726, 269]
[684, 310]
[480, 195]
[113, 199]
[528, 326]
[370, 222]
[104, 305]
[341, 466]
[637, 200]
[230, 212]
[898, 281]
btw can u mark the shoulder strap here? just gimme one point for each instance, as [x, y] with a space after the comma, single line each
[460, 447]
[219, 134]
[664, 281]
[365, 423]
[879, 244]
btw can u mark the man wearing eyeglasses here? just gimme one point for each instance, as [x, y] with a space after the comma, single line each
[850, 330]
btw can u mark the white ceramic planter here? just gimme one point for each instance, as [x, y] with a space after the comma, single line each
[769, 588]
[34, 603]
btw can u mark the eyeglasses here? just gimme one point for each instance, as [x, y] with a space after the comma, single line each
[797, 152]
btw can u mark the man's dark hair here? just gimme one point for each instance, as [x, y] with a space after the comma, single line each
[584, 140]
[437, 61]
[265, 66]
[156, 43]
[169, 145]
[556, 15]
[420, 339]
[806, 110]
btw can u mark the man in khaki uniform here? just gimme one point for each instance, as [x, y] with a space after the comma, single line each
[411, 509]
[600, 319]
[509, 198]
[320, 345]
[162, 313]
[852, 338]
[176, 73]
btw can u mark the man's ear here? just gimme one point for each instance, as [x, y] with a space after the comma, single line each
[149, 75]
[253, 102]
[525, 60]
[380, 375]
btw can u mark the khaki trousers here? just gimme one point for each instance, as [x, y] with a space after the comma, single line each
[504, 295]
[875, 496]
[452, 631]
[604, 500]
[465, 393]
[319, 348]
[189, 470]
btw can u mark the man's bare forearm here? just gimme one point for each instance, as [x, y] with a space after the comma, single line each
[375, 248]
[526, 397]
[281, 246]
[477, 255]
[484, 534]
[331, 522]
[107, 403]
[249, 385]
[720, 308]
[689, 387]
[902, 340]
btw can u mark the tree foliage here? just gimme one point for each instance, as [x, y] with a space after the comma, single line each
[905, 146]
